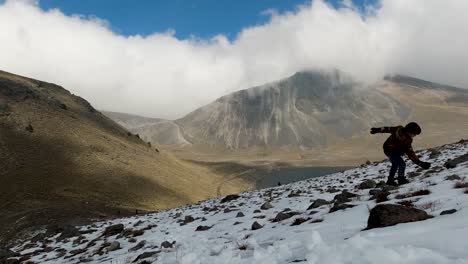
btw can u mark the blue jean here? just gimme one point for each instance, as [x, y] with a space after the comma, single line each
[398, 164]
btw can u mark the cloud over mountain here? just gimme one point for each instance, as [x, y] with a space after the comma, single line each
[160, 75]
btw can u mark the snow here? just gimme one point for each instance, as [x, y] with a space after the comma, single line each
[336, 238]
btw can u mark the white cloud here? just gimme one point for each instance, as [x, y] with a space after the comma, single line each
[162, 76]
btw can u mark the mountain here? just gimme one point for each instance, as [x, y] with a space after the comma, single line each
[61, 159]
[346, 217]
[317, 117]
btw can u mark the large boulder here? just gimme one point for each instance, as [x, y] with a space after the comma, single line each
[454, 162]
[391, 214]
[284, 215]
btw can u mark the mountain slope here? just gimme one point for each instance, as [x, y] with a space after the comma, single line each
[296, 227]
[315, 119]
[61, 156]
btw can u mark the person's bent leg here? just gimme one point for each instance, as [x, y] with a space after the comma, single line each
[394, 159]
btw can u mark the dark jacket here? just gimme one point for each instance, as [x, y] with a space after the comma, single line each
[399, 142]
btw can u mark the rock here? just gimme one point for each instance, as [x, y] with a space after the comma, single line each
[317, 203]
[367, 184]
[188, 219]
[256, 226]
[266, 206]
[454, 162]
[230, 197]
[375, 191]
[139, 232]
[11, 261]
[145, 255]
[299, 221]
[340, 206]
[138, 246]
[453, 178]
[240, 214]
[391, 214]
[446, 212]
[433, 153]
[283, 216]
[203, 228]
[114, 246]
[66, 231]
[113, 230]
[344, 197]
[257, 211]
[167, 244]
[389, 188]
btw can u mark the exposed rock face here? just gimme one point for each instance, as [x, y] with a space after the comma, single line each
[303, 110]
[391, 214]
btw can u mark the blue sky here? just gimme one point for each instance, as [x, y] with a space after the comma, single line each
[202, 18]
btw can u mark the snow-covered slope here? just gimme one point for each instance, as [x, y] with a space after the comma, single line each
[336, 237]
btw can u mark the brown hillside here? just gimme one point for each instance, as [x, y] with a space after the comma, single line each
[62, 159]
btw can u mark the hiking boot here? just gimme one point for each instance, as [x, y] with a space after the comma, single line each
[392, 183]
[402, 181]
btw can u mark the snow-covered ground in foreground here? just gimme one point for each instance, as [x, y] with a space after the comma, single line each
[337, 237]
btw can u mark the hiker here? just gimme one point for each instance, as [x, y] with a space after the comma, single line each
[397, 145]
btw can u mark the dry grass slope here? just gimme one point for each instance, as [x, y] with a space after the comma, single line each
[61, 159]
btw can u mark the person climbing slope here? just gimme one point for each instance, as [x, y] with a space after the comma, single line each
[397, 145]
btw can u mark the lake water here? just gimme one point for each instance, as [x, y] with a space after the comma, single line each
[271, 178]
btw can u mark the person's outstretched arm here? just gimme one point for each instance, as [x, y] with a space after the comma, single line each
[375, 130]
[412, 156]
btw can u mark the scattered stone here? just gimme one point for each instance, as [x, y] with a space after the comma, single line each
[447, 212]
[145, 255]
[138, 223]
[66, 231]
[230, 197]
[138, 233]
[389, 188]
[132, 240]
[454, 162]
[284, 215]
[266, 206]
[188, 219]
[367, 184]
[114, 246]
[257, 211]
[340, 206]
[453, 178]
[344, 197]
[113, 230]
[256, 226]
[138, 246]
[237, 223]
[88, 231]
[317, 203]
[433, 153]
[203, 228]
[38, 237]
[240, 214]
[299, 221]
[391, 214]
[167, 244]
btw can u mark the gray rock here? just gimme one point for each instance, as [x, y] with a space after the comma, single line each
[167, 244]
[284, 215]
[146, 255]
[367, 184]
[446, 212]
[266, 206]
[140, 245]
[240, 214]
[203, 228]
[344, 197]
[68, 231]
[454, 162]
[256, 226]
[188, 219]
[453, 178]
[230, 197]
[113, 230]
[317, 203]
[340, 206]
[391, 214]
[114, 246]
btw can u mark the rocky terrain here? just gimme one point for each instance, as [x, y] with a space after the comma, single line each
[347, 217]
